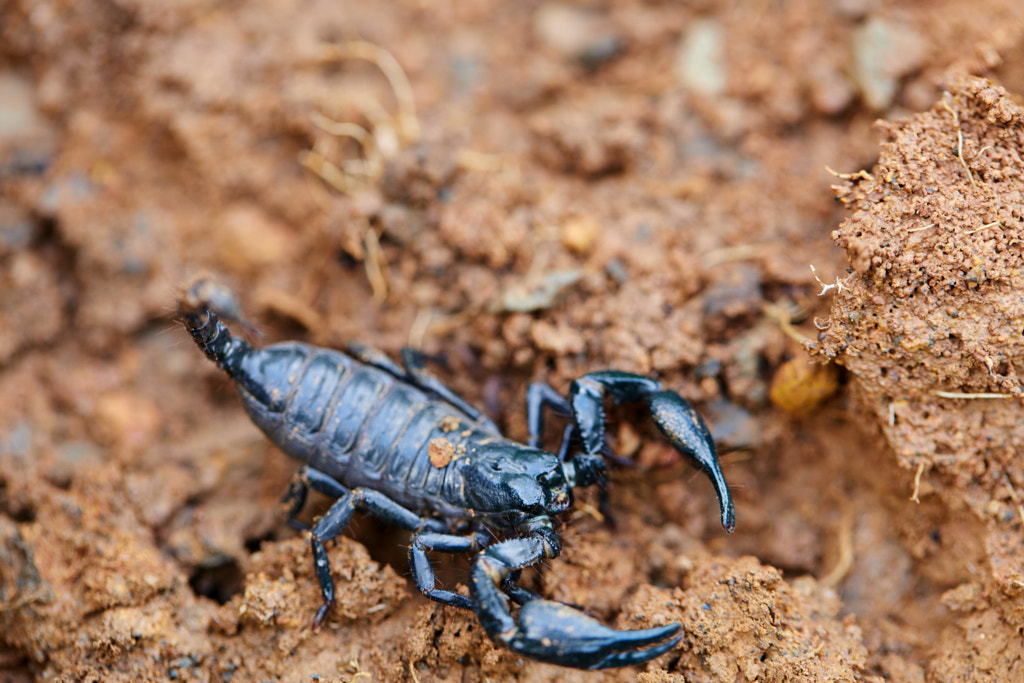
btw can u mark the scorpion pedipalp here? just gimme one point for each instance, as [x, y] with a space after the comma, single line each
[558, 634]
[675, 418]
[685, 429]
[550, 631]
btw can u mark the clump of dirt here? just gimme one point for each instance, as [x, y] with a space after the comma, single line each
[930, 322]
[744, 623]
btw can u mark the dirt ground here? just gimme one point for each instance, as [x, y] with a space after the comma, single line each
[525, 191]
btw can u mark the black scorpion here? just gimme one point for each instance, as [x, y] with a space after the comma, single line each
[398, 444]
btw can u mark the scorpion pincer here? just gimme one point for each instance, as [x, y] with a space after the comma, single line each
[395, 442]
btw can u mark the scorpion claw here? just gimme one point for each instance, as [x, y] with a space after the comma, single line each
[558, 634]
[549, 631]
[676, 419]
[685, 428]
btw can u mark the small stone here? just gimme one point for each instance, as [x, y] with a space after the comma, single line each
[27, 141]
[799, 386]
[735, 292]
[684, 564]
[617, 271]
[733, 427]
[67, 191]
[17, 112]
[700, 60]
[831, 90]
[576, 33]
[31, 303]
[19, 442]
[579, 233]
[533, 294]
[884, 52]
[628, 441]
[963, 598]
[854, 9]
[16, 228]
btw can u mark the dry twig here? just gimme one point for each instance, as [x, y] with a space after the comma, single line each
[960, 142]
[845, 562]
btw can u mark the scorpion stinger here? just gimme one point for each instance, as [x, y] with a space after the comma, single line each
[200, 306]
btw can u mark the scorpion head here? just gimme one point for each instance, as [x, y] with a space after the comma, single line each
[517, 480]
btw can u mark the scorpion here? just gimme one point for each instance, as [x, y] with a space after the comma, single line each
[396, 443]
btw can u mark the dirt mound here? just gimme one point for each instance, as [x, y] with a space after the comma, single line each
[930, 322]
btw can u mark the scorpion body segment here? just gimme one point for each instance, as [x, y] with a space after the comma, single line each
[395, 442]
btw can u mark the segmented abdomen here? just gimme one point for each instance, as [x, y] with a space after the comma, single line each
[362, 425]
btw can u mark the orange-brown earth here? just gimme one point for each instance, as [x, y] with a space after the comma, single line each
[556, 188]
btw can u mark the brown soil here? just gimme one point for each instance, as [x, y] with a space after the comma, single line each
[582, 185]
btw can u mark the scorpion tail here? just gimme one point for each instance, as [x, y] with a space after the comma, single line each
[201, 304]
[204, 297]
[550, 631]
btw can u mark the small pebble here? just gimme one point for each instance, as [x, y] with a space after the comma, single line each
[27, 141]
[19, 442]
[799, 386]
[449, 424]
[579, 233]
[70, 189]
[127, 418]
[617, 271]
[576, 33]
[700, 60]
[884, 52]
[854, 9]
[831, 90]
[529, 296]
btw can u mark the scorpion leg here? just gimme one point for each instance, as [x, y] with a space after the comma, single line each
[337, 518]
[294, 498]
[423, 573]
[417, 373]
[540, 395]
[676, 419]
[371, 356]
[550, 631]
